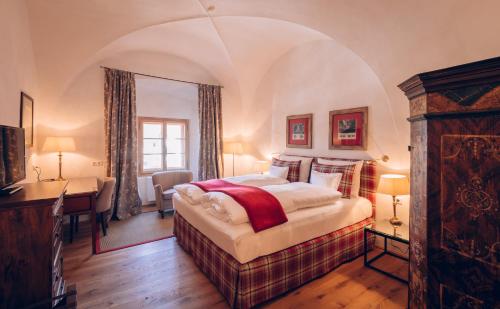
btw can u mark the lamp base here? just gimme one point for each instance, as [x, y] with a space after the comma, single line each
[60, 178]
[395, 221]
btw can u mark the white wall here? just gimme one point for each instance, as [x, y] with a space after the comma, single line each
[168, 99]
[237, 43]
[316, 78]
[17, 67]
[79, 110]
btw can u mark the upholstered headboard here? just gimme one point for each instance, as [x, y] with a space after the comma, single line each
[368, 184]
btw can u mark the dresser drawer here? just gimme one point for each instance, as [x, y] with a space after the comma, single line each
[76, 204]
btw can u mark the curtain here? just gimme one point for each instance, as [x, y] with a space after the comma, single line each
[210, 113]
[121, 141]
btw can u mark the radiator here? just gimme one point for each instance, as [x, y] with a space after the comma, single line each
[146, 191]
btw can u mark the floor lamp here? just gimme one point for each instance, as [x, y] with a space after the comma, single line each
[234, 148]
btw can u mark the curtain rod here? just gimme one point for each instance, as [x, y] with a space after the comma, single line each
[159, 77]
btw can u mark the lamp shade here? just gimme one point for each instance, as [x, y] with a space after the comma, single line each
[394, 184]
[59, 144]
[261, 166]
[233, 147]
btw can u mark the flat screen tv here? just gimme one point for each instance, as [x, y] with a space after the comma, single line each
[12, 164]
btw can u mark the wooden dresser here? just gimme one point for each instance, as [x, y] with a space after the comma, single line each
[31, 257]
[455, 186]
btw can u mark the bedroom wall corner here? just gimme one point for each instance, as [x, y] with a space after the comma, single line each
[17, 65]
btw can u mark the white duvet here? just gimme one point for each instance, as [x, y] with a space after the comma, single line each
[195, 195]
[292, 197]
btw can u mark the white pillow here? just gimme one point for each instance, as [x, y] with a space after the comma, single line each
[279, 171]
[329, 180]
[356, 178]
[305, 166]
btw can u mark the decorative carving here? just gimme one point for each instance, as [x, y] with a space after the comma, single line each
[417, 253]
[474, 196]
[467, 96]
[418, 105]
[471, 161]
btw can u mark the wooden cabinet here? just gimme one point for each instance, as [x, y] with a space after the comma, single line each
[31, 247]
[455, 185]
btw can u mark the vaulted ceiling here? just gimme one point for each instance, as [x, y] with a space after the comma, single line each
[238, 41]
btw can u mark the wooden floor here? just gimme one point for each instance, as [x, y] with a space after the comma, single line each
[162, 275]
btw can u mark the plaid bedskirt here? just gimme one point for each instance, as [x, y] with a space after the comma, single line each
[249, 284]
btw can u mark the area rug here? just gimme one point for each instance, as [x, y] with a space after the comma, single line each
[136, 230]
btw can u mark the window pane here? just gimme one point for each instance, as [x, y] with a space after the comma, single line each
[151, 146]
[152, 162]
[175, 130]
[175, 161]
[152, 130]
[175, 145]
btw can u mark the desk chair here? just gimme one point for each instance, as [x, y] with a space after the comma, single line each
[105, 190]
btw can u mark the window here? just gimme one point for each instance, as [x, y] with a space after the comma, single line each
[162, 144]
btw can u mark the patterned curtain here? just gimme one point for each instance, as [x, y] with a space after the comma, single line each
[121, 141]
[210, 113]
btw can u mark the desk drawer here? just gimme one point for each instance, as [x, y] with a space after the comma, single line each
[76, 204]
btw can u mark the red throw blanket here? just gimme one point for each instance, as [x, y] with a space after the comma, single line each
[263, 209]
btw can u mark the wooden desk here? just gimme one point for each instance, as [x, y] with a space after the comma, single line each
[80, 199]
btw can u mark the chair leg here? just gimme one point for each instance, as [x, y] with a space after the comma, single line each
[103, 224]
[71, 226]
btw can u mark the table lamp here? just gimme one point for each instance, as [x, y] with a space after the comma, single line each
[234, 148]
[59, 144]
[394, 185]
[261, 166]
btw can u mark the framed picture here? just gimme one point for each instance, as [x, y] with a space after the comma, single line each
[26, 119]
[348, 129]
[299, 131]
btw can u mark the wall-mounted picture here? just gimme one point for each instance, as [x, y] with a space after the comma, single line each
[299, 131]
[348, 129]
[26, 119]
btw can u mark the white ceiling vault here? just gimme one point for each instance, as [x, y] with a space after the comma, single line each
[238, 41]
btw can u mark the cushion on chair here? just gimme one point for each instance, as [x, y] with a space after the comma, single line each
[167, 194]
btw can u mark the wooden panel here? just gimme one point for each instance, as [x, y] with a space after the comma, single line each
[455, 173]
[418, 216]
[40, 193]
[25, 257]
[487, 97]
[471, 161]
[81, 186]
[76, 204]
[30, 230]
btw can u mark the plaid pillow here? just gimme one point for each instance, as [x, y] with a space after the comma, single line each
[293, 168]
[347, 175]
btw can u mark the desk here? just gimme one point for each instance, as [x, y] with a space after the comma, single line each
[80, 199]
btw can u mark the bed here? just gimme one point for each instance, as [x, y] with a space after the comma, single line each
[250, 268]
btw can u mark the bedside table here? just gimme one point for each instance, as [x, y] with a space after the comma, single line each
[386, 230]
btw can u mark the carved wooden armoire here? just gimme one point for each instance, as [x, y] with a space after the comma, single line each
[455, 186]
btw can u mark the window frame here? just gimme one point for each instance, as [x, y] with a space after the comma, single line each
[164, 121]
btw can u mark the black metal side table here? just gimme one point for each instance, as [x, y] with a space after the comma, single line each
[384, 229]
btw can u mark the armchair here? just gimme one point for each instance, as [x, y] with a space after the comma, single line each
[163, 184]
